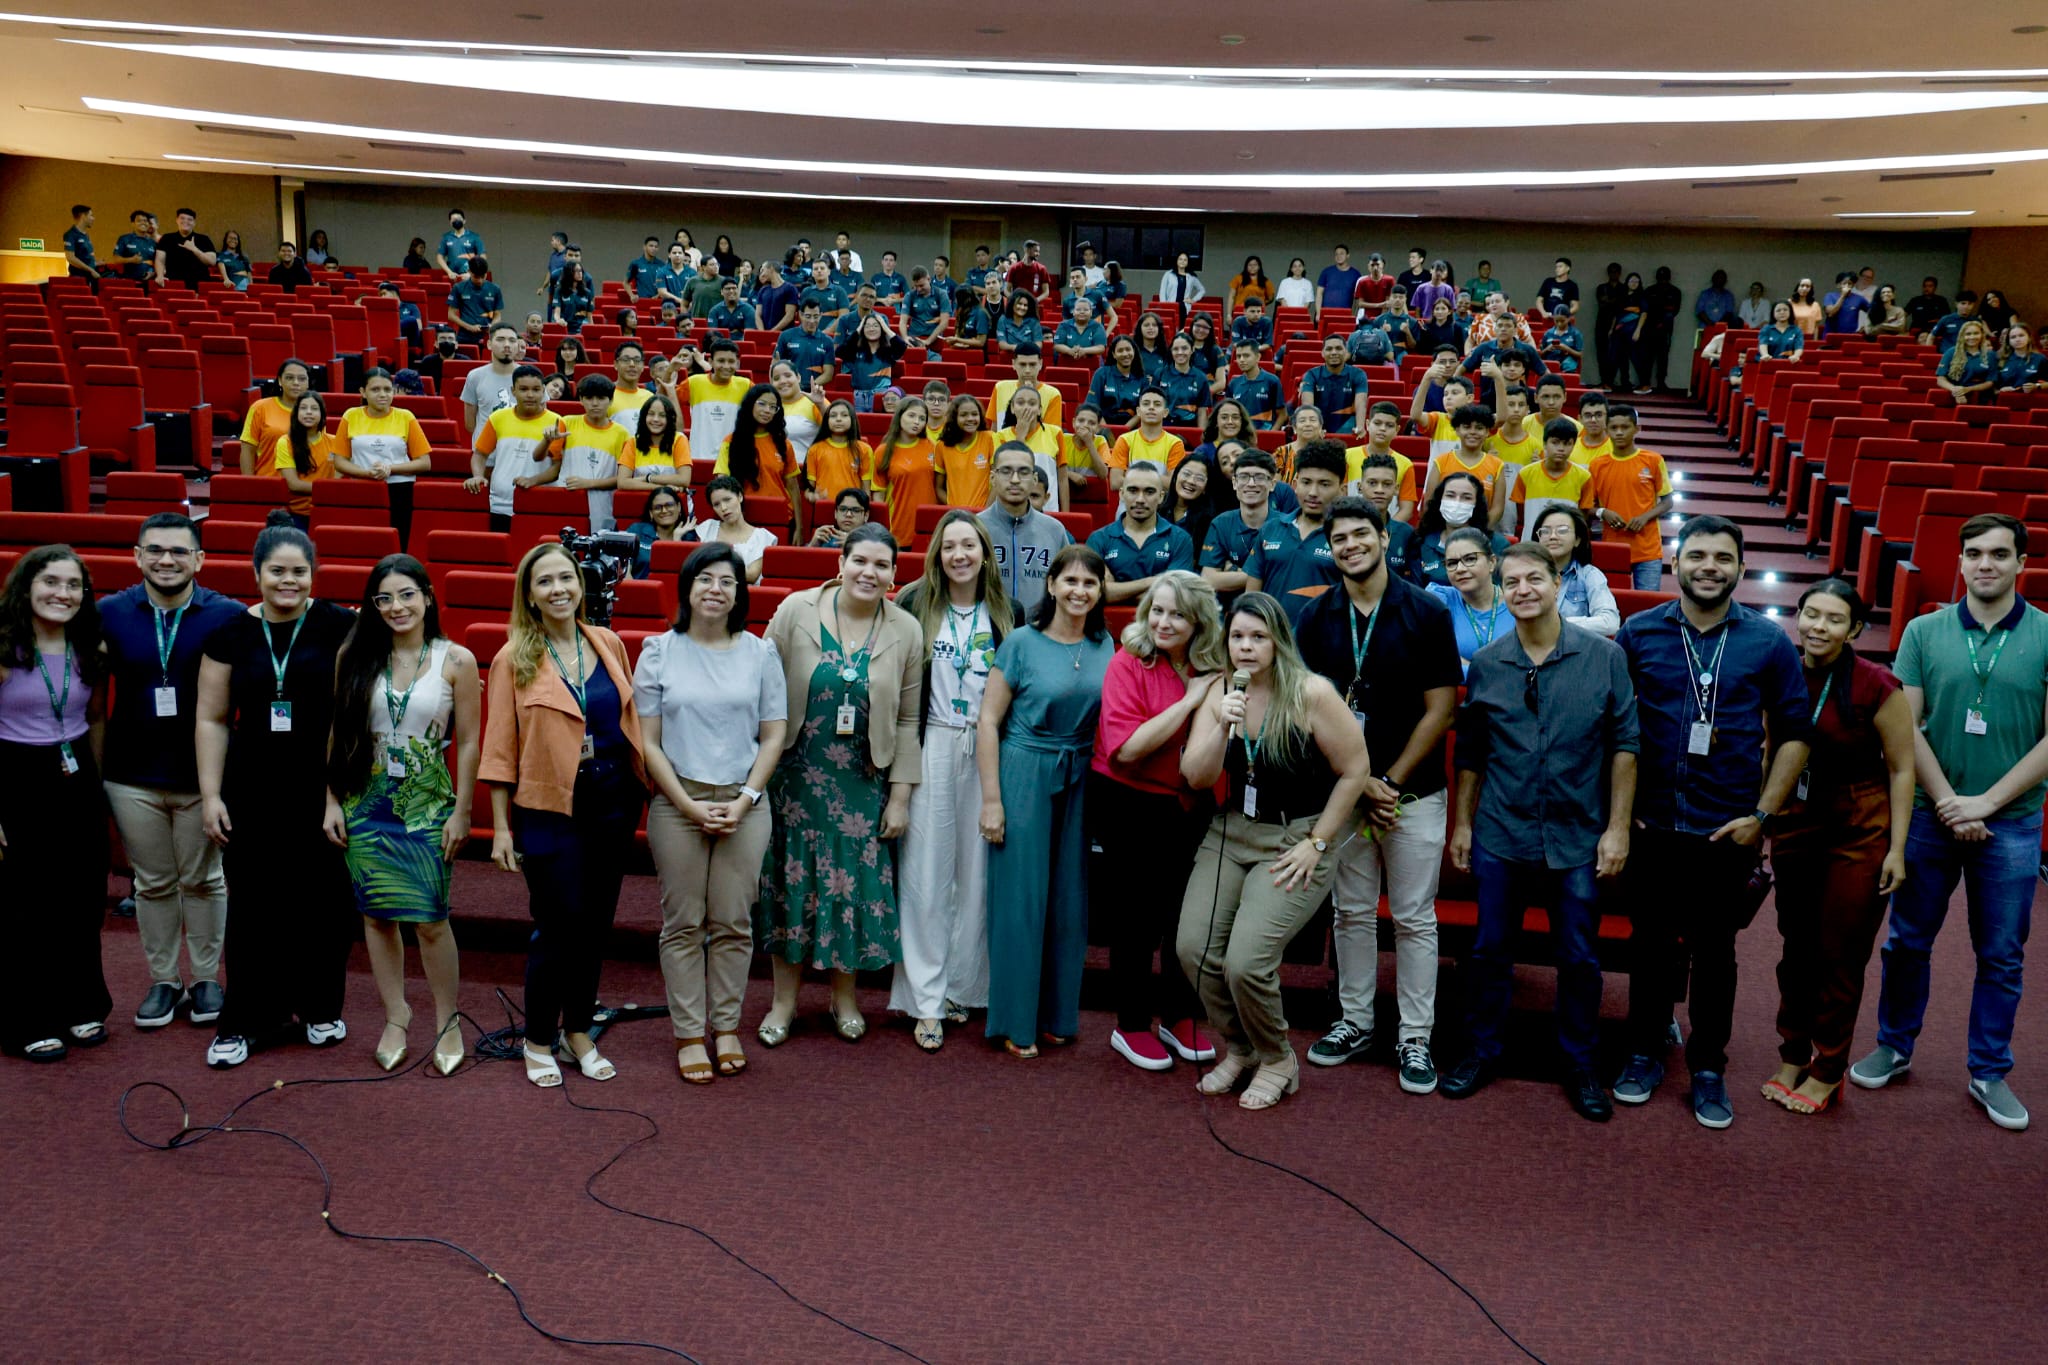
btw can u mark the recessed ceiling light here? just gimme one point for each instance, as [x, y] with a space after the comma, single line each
[1479, 37]
[2031, 29]
[991, 31]
[1244, 156]
[1230, 39]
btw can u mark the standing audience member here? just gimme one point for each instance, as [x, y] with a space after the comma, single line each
[906, 469]
[1632, 489]
[403, 693]
[384, 442]
[53, 824]
[1976, 682]
[1583, 596]
[562, 755]
[270, 418]
[1022, 538]
[1546, 782]
[963, 614]
[1724, 720]
[155, 634]
[1291, 764]
[853, 669]
[1032, 746]
[713, 715]
[265, 710]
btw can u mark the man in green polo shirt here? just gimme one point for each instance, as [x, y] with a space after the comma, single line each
[1976, 677]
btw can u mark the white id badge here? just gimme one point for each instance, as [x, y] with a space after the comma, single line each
[166, 701]
[394, 764]
[589, 750]
[1974, 723]
[280, 717]
[1251, 801]
[1701, 738]
[1805, 782]
[1359, 716]
[845, 722]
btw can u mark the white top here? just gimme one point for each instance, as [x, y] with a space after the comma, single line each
[1299, 293]
[963, 651]
[1167, 285]
[801, 429]
[750, 549]
[712, 702]
[427, 711]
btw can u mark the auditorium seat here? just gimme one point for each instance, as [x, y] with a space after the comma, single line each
[111, 420]
[345, 501]
[226, 377]
[130, 493]
[174, 400]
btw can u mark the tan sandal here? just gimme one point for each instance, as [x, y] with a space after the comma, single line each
[695, 1072]
[1275, 1082]
[1224, 1077]
[1026, 1053]
[731, 1061]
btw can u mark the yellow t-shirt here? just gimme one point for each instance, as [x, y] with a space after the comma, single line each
[594, 452]
[394, 438]
[1048, 397]
[1534, 484]
[1584, 454]
[1354, 470]
[266, 421]
[278, 458]
[633, 460]
[1525, 452]
[514, 447]
[1132, 447]
[714, 408]
[1443, 437]
[625, 408]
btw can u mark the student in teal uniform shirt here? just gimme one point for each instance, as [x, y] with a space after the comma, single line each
[643, 272]
[1259, 390]
[673, 280]
[1253, 325]
[458, 246]
[830, 298]
[1117, 383]
[135, 249]
[806, 347]
[1082, 335]
[1019, 323]
[924, 309]
[78, 245]
[729, 316]
[890, 286]
[1186, 388]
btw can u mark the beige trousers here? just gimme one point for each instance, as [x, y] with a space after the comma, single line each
[708, 889]
[180, 892]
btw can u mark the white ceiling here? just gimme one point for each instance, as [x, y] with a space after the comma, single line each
[1494, 109]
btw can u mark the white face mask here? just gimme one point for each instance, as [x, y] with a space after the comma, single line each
[1456, 513]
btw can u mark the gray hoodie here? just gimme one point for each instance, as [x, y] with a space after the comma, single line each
[1024, 549]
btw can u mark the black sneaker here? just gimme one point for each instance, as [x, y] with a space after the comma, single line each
[1468, 1077]
[206, 1002]
[1418, 1072]
[1587, 1099]
[1342, 1043]
[160, 1006]
[1639, 1080]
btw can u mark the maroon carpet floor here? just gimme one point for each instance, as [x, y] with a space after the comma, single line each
[975, 1208]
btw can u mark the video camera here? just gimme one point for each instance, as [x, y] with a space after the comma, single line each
[607, 560]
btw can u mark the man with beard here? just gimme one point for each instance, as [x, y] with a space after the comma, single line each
[1388, 648]
[1719, 687]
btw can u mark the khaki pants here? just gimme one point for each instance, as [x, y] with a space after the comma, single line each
[708, 888]
[179, 889]
[1407, 861]
[1233, 928]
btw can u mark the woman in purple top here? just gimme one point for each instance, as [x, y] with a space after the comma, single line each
[53, 819]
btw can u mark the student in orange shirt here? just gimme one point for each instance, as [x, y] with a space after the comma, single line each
[757, 452]
[1472, 424]
[303, 453]
[839, 459]
[965, 453]
[904, 468]
[1632, 489]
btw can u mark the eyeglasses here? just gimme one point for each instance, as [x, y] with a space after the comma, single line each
[1470, 561]
[164, 551]
[1011, 475]
[405, 598]
[1552, 532]
[1253, 479]
[727, 583]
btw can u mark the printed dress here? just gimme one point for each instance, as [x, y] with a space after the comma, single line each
[394, 823]
[828, 886]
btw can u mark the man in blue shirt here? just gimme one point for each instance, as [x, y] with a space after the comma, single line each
[805, 347]
[1943, 332]
[78, 244]
[1138, 547]
[643, 272]
[135, 249]
[1720, 690]
[1253, 325]
[890, 286]
[1399, 324]
[1335, 285]
[458, 245]
[475, 303]
[1081, 340]
[848, 324]
[1715, 304]
[1337, 388]
[1292, 559]
[1844, 306]
[830, 298]
[843, 274]
[978, 273]
[1235, 534]
[1259, 390]
[729, 316]
[156, 634]
[673, 281]
[777, 303]
[924, 309]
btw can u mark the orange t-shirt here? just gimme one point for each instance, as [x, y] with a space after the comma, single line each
[768, 480]
[1630, 486]
[1487, 471]
[966, 470]
[833, 467]
[277, 456]
[913, 481]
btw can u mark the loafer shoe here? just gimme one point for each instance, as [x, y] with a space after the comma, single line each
[160, 1006]
[206, 1001]
[1186, 1042]
[1587, 1099]
[1880, 1068]
[2001, 1104]
[1468, 1077]
[1140, 1049]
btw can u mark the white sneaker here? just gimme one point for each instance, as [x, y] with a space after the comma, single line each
[326, 1035]
[226, 1052]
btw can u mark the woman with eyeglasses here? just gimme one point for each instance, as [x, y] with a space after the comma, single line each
[1583, 596]
[1478, 612]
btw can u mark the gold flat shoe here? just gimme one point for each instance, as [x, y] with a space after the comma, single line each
[852, 1030]
[772, 1035]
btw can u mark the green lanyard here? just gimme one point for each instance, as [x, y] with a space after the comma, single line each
[396, 703]
[961, 659]
[577, 689]
[1252, 747]
[1358, 646]
[277, 665]
[1492, 618]
[1825, 688]
[1984, 676]
[57, 704]
[168, 641]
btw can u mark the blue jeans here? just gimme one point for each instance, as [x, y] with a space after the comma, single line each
[1648, 575]
[1505, 890]
[1998, 876]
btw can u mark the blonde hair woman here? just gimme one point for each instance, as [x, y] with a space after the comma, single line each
[1970, 367]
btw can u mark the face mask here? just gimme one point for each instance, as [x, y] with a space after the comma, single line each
[1456, 513]
[445, 347]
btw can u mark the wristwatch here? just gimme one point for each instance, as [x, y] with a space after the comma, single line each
[1762, 817]
[1320, 845]
[751, 794]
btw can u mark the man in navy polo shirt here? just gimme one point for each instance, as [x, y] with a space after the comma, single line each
[1253, 325]
[845, 274]
[1138, 546]
[135, 249]
[848, 324]
[807, 348]
[643, 272]
[924, 309]
[458, 245]
[978, 273]
[1292, 558]
[156, 633]
[1335, 285]
[776, 302]
[1259, 390]
[1943, 332]
[475, 303]
[672, 281]
[830, 298]
[890, 286]
[730, 317]
[78, 244]
[1235, 534]
[1336, 388]
[1081, 340]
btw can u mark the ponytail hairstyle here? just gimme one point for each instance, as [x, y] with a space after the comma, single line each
[300, 436]
[1859, 616]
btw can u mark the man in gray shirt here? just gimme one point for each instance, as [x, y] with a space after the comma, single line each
[488, 387]
[1025, 539]
[1546, 760]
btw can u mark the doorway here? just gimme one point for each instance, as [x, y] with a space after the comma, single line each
[964, 235]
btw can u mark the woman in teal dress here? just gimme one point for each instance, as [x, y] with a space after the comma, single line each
[1036, 739]
[394, 805]
[854, 665]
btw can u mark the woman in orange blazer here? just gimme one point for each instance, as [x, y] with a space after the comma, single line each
[562, 757]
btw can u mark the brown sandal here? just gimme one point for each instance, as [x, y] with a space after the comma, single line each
[696, 1073]
[1022, 1053]
[730, 1063]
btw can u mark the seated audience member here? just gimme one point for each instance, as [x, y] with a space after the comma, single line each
[1019, 324]
[1081, 339]
[1148, 440]
[667, 518]
[290, 272]
[1968, 370]
[1029, 363]
[1337, 388]
[1478, 612]
[849, 512]
[1780, 338]
[1253, 325]
[1257, 389]
[1458, 501]
[1116, 384]
[1553, 479]
[1234, 534]
[2020, 366]
[1137, 547]
[728, 524]
[1583, 595]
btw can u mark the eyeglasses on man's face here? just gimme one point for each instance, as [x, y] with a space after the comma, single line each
[165, 551]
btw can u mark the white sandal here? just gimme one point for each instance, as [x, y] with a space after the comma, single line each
[542, 1070]
[593, 1065]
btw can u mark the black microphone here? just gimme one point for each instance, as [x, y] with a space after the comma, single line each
[1239, 681]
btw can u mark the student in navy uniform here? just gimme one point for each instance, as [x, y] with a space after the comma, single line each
[1138, 546]
[1292, 559]
[1234, 534]
[978, 273]
[808, 349]
[135, 249]
[458, 246]
[830, 298]
[1081, 340]
[1019, 322]
[1118, 382]
[474, 303]
[672, 281]
[1336, 388]
[890, 286]
[923, 310]
[1259, 390]
[730, 317]
[777, 303]
[78, 253]
[1186, 387]
[643, 272]
[1253, 325]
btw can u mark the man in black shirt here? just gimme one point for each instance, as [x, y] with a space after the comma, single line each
[1927, 307]
[1664, 301]
[1417, 273]
[290, 271]
[185, 256]
[1607, 297]
[1388, 647]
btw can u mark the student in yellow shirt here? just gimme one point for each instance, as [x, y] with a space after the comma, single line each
[516, 447]
[1593, 439]
[1472, 423]
[593, 447]
[629, 363]
[383, 442]
[1149, 440]
[1554, 478]
[714, 399]
[1517, 440]
[304, 453]
[839, 459]
[1087, 451]
[1382, 425]
[1633, 491]
[1022, 423]
[966, 452]
[1550, 399]
[1029, 364]
[658, 456]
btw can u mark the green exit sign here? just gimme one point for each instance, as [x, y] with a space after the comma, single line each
[31, 244]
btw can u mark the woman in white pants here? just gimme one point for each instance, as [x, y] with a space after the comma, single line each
[942, 874]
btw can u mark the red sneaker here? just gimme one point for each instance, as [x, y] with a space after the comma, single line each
[1189, 1043]
[1140, 1050]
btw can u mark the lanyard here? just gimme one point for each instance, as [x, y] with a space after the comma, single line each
[577, 689]
[1825, 688]
[1492, 618]
[960, 656]
[1358, 646]
[57, 699]
[396, 703]
[850, 668]
[166, 642]
[1252, 747]
[1704, 681]
[277, 665]
[1983, 676]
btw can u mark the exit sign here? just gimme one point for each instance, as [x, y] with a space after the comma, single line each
[31, 244]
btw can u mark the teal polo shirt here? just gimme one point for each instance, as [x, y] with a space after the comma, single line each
[889, 284]
[1168, 547]
[805, 350]
[830, 298]
[1069, 334]
[1934, 655]
[730, 319]
[1187, 394]
[1295, 568]
[674, 281]
[923, 311]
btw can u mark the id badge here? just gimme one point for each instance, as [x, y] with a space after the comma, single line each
[280, 717]
[1805, 783]
[1974, 722]
[1359, 716]
[589, 750]
[960, 707]
[845, 722]
[1251, 801]
[166, 701]
[394, 763]
[1701, 739]
[66, 757]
